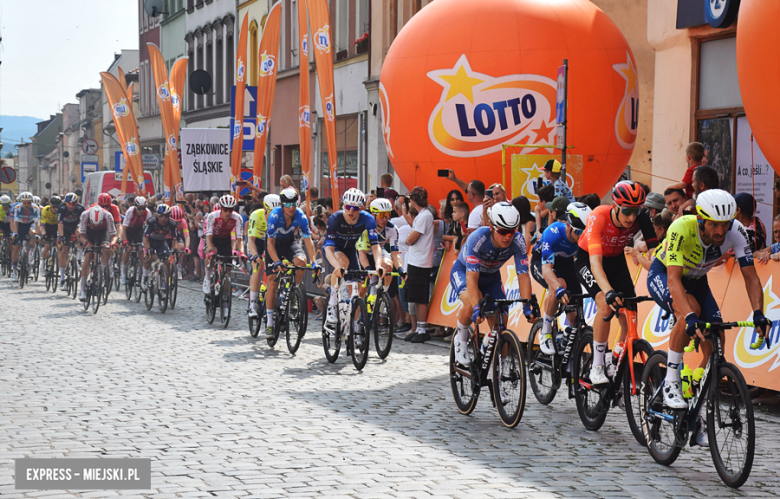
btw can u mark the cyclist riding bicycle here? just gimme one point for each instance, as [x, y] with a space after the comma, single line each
[387, 235]
[223, 235]
[22, 227]
[552, 265]
[69, 215]
[104, 201]
[284, 224]
[258, 222]
[97, 228]
[132, 230]
[160, 230]
[5, 216]
[677, 281]
[49, 224]
[601, 264]
[344, 229]
[182, 242]
[477, 272]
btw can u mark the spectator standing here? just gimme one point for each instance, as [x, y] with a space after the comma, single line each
[475, 192]
[592, 200]
[542, 214]
[523, 206]
[674, 199]
[420, 241]
[454, 197]
[552, 172]
[775, 249]
[457, 228]
[694, 154]
[746, 208]
[704, 177]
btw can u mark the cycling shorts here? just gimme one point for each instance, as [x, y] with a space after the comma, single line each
[98, 237]
[159, 248]
[615, 268]
[490, 285]
[134, 235]
[68, 230]
[563, 268]
[23, 234]
[51, 232]
[224, 246]
[285, 251]
[5, 228]
[657, 285]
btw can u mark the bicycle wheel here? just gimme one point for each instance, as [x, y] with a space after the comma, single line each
[150, 290]
[36, 262]
[21, 266]
[588, 400]
[211, 306]
[173, 289]
[117, 270]
[632, 393]
[225, 301]
[541, 369]
[256, 323]
[108, 283]
[53, 270]
[162, 289]
[297, 317]
[129, 278]
[464, 382]
[97, 283]
[383, 324]
[731, 428]
[48, 275]
[331, 343]
[660, 435]
[509, 380]
[138, 291]
[358, 336]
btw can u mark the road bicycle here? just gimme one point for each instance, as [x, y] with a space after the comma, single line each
[256, 323]
[94, 288]
[157, 282]
[50, 268]
[133, 273]
[36, 259]
[72, 269]
[22, 265]
[731, 428]
[380, 313]
[507, 384]
[624, 370]
[221, 291]
[116, 267]
[291, 312]
[352, 325]
[5, 255]
[173, 292]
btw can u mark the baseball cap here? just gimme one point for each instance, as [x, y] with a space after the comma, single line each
[655, 200]
[553, 165]
[391, 194]
[558, 205]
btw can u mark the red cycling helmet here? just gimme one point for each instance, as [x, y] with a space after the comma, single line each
[104, 200]
[628, 194]
[177, 214]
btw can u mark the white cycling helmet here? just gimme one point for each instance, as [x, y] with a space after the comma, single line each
[227, 201]
[354, 197]
[96, 215]
[139, 202]
[25, 196]
[577, 215]
[288, 195]
[381, 205]
[504, 215]
[272, 201]
[4, 199]
[36, 200]
[716, 205]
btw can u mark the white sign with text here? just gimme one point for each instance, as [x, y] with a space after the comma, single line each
[756, 177]
[205, 159]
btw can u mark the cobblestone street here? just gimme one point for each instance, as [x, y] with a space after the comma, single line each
[222, 415]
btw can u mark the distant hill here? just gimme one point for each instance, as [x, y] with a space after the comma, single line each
[17, 127]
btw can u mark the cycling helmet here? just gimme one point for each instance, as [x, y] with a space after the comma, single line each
[577, 215]
[354, 197]
[381, 205]
[288, 195]
[71, 198]
[163, 210]
[716, 205]
[55, 201]
[4, 199]
[216, 207]
[96, 215]
[25, 196]
[628, 194]
[104, 199]
[139, 202]
[272, 201]
[504, 215]
[227, 201]
[177, 214]
[36, 200]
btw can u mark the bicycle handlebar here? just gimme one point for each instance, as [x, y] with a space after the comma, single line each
[503, 301]
[626, 301]
[716, 326]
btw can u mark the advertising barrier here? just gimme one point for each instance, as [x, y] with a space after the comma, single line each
[759, 367]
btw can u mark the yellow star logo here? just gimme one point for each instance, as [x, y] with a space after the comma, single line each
[628, 71]
[458, 80]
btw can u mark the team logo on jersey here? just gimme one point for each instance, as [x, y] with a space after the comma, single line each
[240, 70]
[322, 39]
[330, 108]
[262, 123]
[175, 101]
[627, 117]
[164, 92]
[743, 355]
[120, 109]
[384, 103]
[305, 46]
[477, 113]
[267, 64]
[238, 129]
[132, 146]
[303, 116]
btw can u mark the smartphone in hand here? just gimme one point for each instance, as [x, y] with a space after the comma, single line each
[443, 173]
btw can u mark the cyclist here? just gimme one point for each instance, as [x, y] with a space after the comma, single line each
[601, 263]
[552, 265]
[387, 234]
[49, 222]
[132, 231]
[69, 215]
[97, 227]
[22, 227]
[284, 224]
[223, 235]
[344, 229]
[677, 281]
[104, 201]
[5, 216]
[477, 271]
[258, 222]
[36, 202]
[159, 230]
[182, 242]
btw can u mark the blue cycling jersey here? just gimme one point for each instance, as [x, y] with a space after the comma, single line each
[554, 243]
[279, 230]
[342, 235]
[479, 254]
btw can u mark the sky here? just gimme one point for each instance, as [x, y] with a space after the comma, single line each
[52, 49]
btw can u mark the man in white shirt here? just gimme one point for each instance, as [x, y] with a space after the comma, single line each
[475, 192]
[419, 262]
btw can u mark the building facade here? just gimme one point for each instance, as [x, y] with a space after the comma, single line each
[33, 166]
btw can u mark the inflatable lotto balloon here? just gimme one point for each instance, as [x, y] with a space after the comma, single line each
[464, 77]
[758, 68]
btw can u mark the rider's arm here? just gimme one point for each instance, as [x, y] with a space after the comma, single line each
[521, 266]
[310, 249]
[147, 244]
[251, 246]
[753, 287]
[593, 235]
[362, 248]
[472, 288]
[330, 254]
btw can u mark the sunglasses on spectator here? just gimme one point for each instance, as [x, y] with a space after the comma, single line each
[505, 232]
[352, 208]
[630, 211]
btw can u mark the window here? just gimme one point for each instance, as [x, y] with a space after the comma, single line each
[230, 62]
[220, 72]
[362, 18]
[190, 69]
[210, 69]
[294, 42]
[718, 81]
[342, 26]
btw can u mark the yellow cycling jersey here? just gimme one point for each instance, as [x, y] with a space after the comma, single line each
[683, 247]
[48, 216]
[257, 224]
[4, 214]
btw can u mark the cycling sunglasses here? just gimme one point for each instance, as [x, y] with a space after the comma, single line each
[384, 214]
[630, 211]
[225, 208]
[352, 208]
[289, 205]
[577, 231]
[505, 232]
